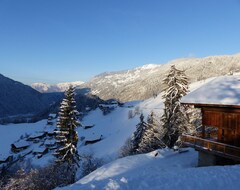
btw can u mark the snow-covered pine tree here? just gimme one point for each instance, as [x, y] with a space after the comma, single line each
[138, 134]
[152, 135]
[67, 136]
[174, 118]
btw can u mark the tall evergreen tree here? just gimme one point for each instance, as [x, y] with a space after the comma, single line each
[152, 134]
[67, 136]
[174, 118]
[138, 134]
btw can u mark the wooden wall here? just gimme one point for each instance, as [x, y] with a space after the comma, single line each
[226, 120]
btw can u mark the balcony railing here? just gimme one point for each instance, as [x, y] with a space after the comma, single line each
[213, 147]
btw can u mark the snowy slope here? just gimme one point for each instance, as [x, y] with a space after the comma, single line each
[142, 82]
[61, 87]
[12, 132]
[168, 170]
[114, 127]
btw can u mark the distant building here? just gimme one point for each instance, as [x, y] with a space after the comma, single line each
[93, 139]
[19, 146]
[5, 159]
[40, 151]
[37, 136]
[219, 140]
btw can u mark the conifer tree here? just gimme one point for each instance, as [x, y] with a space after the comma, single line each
[174, 118]
[138, 134]
[67, 136]
[151, 139]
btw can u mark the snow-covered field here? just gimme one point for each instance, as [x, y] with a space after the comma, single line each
[114, 127]
[166, 171]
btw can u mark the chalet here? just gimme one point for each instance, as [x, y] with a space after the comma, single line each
[50, 118]
[218, 142]
[40, 151]
[36, 136]
[50, 131]
[49, 143]
[5, 158]
[88, 126]
[19, 146]
[93, 140]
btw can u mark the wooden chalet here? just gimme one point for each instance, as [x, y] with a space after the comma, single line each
[218, 142]
[19, 146]
[36, 136]
[51, 117]
[5, 158]
[40, 151]
[88, 126]
[93, 140]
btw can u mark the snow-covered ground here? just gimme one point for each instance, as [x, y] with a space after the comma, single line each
[166, 171]
[114, 127]
[12, 132]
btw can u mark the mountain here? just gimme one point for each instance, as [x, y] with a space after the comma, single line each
[61, 87]
[18, 100]
[146, 81]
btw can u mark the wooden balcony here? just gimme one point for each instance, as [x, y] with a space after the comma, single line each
[212, 147]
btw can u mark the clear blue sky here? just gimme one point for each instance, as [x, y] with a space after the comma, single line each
[67, 40]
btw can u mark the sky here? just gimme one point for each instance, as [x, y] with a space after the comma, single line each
[56, 41]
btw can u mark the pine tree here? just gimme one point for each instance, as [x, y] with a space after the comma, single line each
[138, 134]
[67, 136]
[151, 139]
[174, 118]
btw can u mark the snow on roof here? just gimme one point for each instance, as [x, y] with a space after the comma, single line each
[21, 144]
[49, 130]
[52, 115]
[108, 105]
[39, 149]
[224, 90]
[37, 135]
[3, 157]
[93, 137]
[49, 142]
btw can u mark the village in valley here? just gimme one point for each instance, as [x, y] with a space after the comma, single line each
[119, 95]
[207, 121]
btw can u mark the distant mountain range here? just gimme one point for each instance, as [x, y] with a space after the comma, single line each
[21, 103]
[18, 100]
[144, 82]
[61, 87]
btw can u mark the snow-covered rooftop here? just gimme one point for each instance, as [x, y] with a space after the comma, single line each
[21, 144]
[223, 90]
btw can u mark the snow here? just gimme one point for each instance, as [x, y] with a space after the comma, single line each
[12, 132]
[115, 128]
[223, 90]
[39, 149]
[168, 170]
[21, 144]
[60, 87]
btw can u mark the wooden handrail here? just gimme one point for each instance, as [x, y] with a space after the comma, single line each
[217, 147]
[206, 140]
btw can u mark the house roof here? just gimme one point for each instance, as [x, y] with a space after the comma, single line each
[21, 144]
[36, 135]
[222, 91]
[39, 149]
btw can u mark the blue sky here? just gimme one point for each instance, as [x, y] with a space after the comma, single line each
[67, 40]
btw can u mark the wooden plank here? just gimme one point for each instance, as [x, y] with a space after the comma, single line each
[212, 147]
